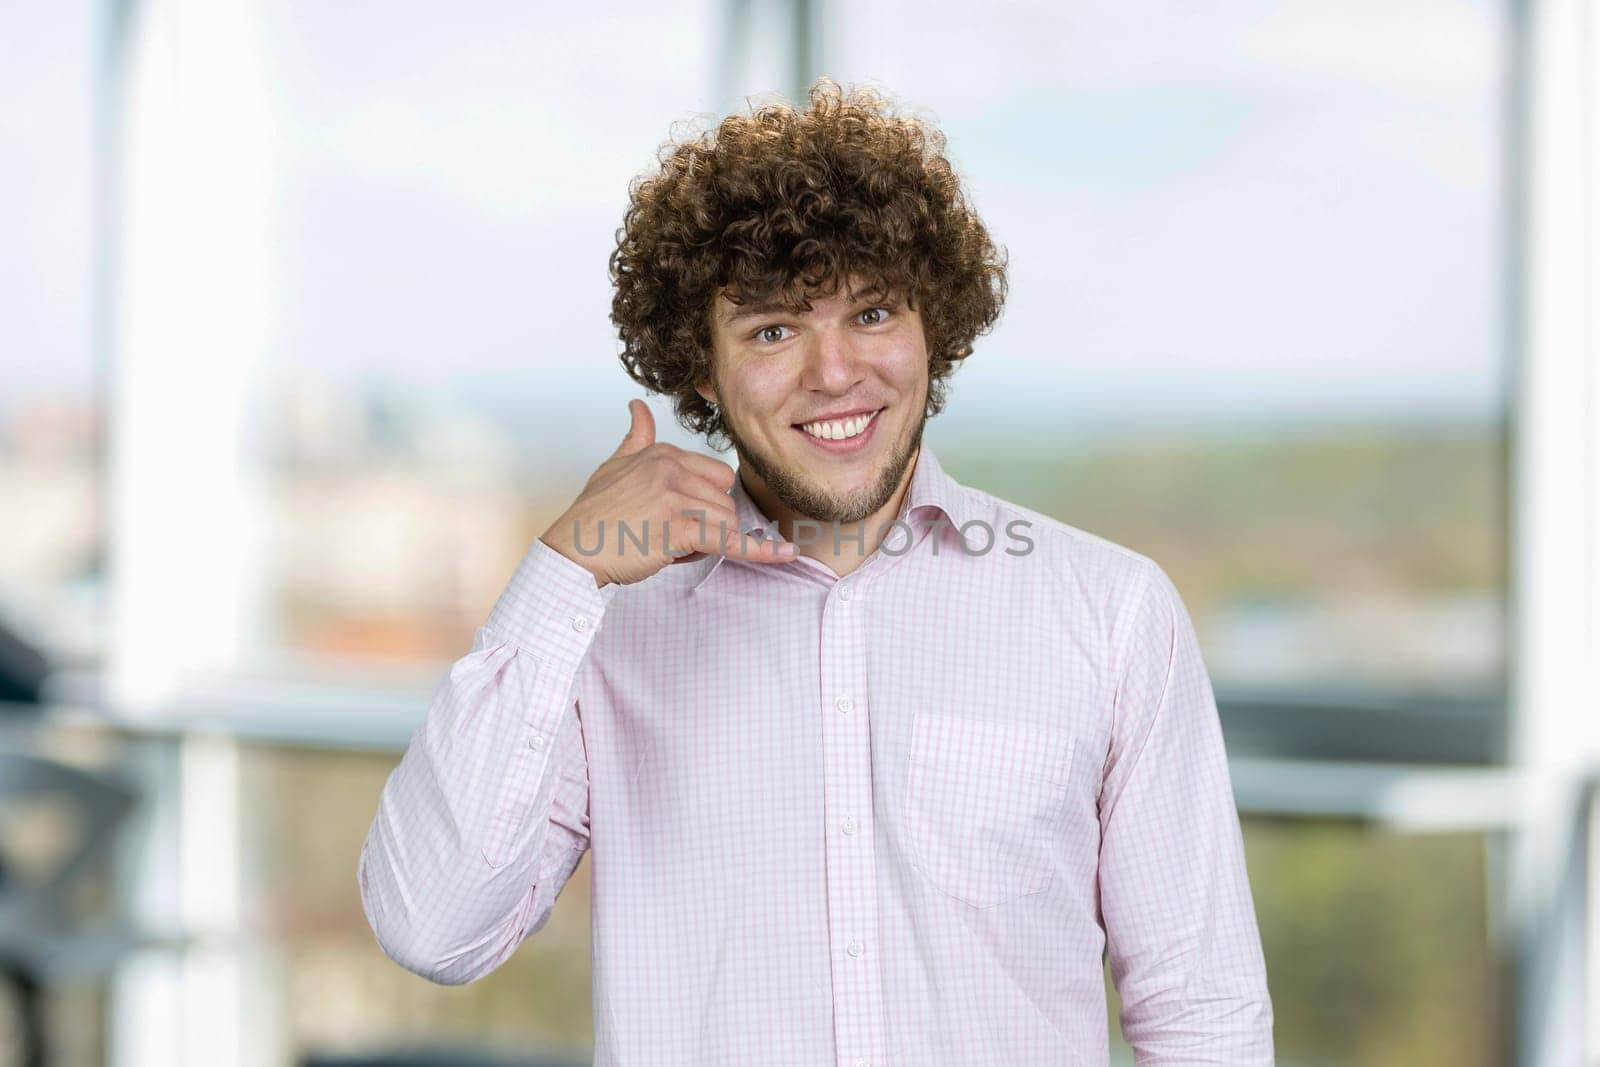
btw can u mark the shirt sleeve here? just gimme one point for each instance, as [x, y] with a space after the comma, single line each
[1175, 902]
[487, 814]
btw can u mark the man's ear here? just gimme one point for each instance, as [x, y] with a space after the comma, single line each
[704, 389]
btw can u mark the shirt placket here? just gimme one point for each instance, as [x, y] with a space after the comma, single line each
[854, 945]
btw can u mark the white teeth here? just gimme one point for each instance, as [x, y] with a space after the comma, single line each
[839, 429]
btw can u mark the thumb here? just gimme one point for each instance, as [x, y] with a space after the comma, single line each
[641, 432]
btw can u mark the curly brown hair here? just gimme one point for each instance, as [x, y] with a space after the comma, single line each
[788, 205]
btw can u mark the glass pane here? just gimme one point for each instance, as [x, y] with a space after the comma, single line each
[1379, 943]
[444, 356]
[51, 535]
[305, 815]
[1378, 946]
[1254, 326]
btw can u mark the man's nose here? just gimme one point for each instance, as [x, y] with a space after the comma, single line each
[834, 364]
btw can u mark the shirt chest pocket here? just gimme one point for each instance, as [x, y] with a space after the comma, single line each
[982, 803]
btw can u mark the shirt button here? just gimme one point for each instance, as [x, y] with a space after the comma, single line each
[850, 824]
[844, 592]
[863, 1063]
[854, 948]
[580, 624]
[844, 704]
[536, 742]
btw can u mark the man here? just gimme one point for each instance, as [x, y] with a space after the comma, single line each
[883, 783]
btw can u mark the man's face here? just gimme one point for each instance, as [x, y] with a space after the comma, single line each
[777, 373]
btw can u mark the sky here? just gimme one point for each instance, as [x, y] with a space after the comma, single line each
[1249, 211]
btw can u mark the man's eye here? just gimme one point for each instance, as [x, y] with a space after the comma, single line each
[882, 313]
[762, 334]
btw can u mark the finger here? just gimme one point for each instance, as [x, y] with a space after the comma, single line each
[710, 527]
[720, 535]
[704, 521]
[756, 550]
[641, 430]
[760, 550]
[694, 482]
[719, 474]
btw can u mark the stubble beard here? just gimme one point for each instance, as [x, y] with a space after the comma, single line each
[806, 499]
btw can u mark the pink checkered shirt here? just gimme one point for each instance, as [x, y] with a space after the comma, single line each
[889, 820]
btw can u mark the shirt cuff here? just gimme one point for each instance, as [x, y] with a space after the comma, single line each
[551, 607]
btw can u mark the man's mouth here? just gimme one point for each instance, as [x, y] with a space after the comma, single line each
[843, 434]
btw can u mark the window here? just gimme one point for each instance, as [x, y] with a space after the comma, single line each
[1258, 261]
[1255, 327]
[449, 189]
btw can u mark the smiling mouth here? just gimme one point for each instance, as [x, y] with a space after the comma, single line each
[846, 429]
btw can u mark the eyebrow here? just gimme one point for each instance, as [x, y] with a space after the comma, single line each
[773, 307]
[754, 310]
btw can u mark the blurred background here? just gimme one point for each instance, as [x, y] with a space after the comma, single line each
[304, 338]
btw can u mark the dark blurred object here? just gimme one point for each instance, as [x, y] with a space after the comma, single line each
[23, 668]
[42, 942]
[431, 1057]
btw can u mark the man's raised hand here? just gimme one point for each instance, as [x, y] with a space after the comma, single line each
[673, 501]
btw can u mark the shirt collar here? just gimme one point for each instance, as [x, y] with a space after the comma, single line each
[932, 492]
